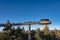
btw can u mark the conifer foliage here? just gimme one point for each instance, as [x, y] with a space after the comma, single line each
[20, 34]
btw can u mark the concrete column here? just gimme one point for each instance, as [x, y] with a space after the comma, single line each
[45, 25]
[29, 27]
[29, 35]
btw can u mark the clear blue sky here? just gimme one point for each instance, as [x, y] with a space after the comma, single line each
[30, 10]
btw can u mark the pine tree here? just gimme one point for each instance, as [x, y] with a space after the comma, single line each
[38, 30]
[3, 36]
[18, 33]
[37, 36]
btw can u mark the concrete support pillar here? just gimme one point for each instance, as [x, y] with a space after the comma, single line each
[29, 27]
[45, 25]
[29, 35]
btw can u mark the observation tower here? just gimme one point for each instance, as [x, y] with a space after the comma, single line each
[45, 22]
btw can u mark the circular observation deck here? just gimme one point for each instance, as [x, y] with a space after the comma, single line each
[45, 21]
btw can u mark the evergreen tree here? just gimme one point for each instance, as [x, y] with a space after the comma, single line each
[18, 33]
[3, 36]
[37, 36]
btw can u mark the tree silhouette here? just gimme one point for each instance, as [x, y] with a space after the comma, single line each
[37, 36]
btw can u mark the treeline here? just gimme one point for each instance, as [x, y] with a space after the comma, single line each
[21, 34]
